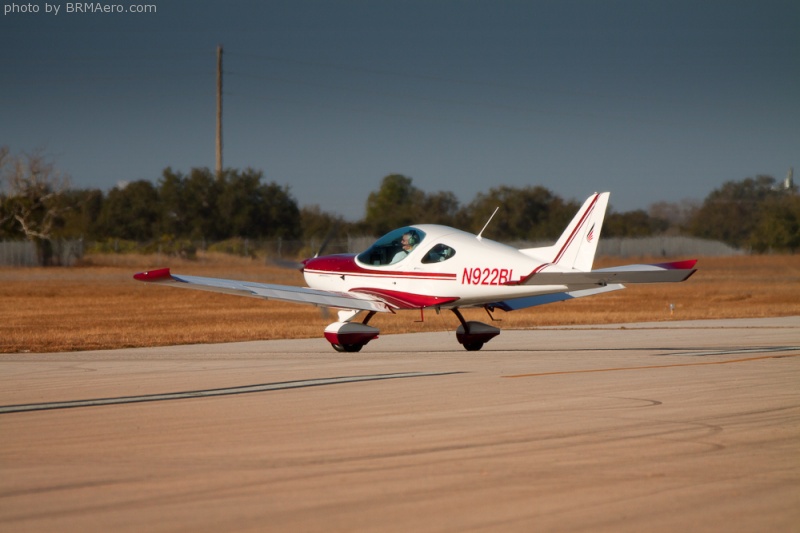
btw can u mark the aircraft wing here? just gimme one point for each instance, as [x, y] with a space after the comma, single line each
[656, 273]
[286, 293]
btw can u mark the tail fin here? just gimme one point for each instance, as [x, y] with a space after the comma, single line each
[576, 247]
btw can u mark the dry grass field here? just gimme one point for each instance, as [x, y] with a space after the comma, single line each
[100, 306]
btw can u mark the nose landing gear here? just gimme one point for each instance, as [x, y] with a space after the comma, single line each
[350, 337]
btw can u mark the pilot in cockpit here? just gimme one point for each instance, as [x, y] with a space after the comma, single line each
[407, 243]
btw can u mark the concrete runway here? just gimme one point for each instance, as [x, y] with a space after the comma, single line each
[681, 426]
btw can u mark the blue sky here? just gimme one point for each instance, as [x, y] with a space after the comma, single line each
[649, 100]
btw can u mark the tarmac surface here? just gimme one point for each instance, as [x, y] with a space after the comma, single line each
[679, 426]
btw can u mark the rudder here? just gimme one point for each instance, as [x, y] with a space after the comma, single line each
[576, 247]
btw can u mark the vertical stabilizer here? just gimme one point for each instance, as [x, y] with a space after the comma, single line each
[576, 247]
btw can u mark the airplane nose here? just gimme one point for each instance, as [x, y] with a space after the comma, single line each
[331, 264]
[305, 263]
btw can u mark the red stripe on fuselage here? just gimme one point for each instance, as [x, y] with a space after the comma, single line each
[533, 273]
[346, 264]
[407, 300]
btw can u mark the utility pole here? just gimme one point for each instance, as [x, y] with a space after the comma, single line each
[219, 111]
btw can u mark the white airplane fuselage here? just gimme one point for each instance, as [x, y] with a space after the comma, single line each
[478, 270]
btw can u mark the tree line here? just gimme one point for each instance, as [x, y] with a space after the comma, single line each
[177, 210]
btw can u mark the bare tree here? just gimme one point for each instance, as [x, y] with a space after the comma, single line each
[33, 197]
[676, 214]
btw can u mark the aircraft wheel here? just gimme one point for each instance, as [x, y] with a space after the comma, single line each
[473, 346]
[348, 348]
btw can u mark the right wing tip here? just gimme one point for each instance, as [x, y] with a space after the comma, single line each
[687, 264]
[159, 274]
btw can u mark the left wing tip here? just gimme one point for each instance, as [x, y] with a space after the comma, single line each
[159, 274]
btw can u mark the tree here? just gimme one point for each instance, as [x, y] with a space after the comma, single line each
[778, 227]
[440, 208]
[240, 206]
[171, 196]
[732, 212]
[676, 215]
[280, 214]
[197, 205]
[396, 204]
[131, 211]
[81, 220]
[189, 205]
[34, 202]
[632, 224]
[247, 208]
[316, 223]
[528, 213]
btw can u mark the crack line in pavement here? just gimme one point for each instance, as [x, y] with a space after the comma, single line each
[246, 389]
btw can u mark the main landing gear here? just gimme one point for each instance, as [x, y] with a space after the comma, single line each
[350, 337]
[473, 335]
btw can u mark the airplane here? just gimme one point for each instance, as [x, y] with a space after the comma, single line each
[430, 266]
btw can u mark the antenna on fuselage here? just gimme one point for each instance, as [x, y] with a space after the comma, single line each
[487, 222]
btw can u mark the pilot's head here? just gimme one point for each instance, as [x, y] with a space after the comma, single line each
[409, 240]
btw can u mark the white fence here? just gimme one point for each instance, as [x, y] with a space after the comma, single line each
[66, 253]
[664, 247]
[671, 247]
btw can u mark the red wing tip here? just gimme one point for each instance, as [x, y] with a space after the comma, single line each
[153, 275]
[678, 265]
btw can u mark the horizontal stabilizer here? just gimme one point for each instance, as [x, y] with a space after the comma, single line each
[531, 301]
[657, 273]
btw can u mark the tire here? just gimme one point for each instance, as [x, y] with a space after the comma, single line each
[347, 348]
[473, 346]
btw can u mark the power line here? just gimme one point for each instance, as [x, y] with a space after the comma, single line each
[450, 101]
[560, 91]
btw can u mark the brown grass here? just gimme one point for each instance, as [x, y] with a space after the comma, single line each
[100, 306]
